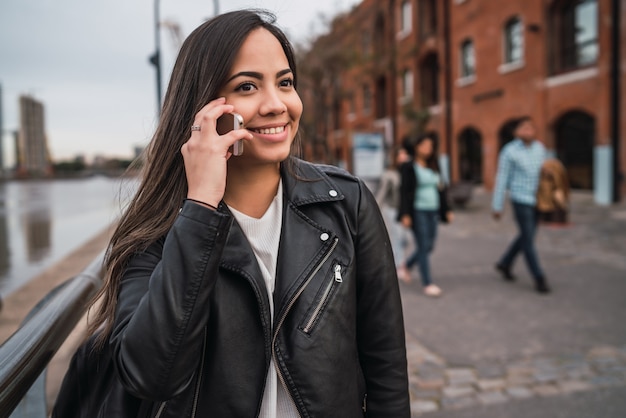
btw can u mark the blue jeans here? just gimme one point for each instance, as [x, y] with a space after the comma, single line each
[526, 218]
[425, 231]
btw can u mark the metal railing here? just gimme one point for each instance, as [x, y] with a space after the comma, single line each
[26, 354]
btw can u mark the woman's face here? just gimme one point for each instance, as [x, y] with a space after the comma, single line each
[260, 87]
[424, 149]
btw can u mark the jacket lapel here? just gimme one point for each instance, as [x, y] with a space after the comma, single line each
[304, 242]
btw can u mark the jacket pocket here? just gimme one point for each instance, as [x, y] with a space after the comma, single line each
[327, 291]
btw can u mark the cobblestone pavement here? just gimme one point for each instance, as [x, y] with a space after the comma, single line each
[574, 344]
[435, 385]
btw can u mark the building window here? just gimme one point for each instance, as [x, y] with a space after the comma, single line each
[429, 77]
[405, 17]
[468, 59]
[407, 84]
[574, 25]
[367, 99]
[428, 17]
[513, 41]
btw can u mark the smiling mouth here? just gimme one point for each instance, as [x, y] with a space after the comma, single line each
[269, 131]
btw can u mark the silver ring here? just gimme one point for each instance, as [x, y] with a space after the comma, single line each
[195, 128]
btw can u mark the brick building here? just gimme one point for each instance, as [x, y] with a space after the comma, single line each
[464, 70]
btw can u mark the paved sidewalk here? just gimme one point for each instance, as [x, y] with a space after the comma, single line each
[489, 348]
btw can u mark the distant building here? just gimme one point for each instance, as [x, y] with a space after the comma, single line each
[32, 147]
[464, 70]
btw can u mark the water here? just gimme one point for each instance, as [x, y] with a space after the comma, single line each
[42, 221]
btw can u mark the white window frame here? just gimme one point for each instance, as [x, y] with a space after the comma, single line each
[462, 68]
[406, 19]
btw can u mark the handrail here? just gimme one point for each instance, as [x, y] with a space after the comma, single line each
[26, 354]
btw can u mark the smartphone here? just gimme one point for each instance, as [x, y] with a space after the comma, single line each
[228, 122]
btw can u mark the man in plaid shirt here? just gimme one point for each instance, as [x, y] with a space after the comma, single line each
[519, 167]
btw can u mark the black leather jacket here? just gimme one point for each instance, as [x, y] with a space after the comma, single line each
[193, 336]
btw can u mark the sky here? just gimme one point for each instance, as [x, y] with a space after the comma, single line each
[87, 62]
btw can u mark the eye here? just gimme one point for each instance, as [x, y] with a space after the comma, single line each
[245, 87]
[287, 82]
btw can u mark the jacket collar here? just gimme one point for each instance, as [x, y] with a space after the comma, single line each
[305, 183]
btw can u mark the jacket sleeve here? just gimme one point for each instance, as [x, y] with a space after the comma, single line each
[163, 307]
[380, 324]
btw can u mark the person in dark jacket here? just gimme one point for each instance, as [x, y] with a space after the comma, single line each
[245, 286]
[423, 204]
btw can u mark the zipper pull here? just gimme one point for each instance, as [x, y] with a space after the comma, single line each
[338, 277]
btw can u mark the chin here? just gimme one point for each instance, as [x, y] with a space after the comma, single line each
[265, 156]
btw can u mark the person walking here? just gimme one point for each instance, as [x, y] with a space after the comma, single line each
[423, 204]
[519, 168]
[257, 285]
[388, 199]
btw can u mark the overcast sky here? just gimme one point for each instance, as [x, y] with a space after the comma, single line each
[87, 62]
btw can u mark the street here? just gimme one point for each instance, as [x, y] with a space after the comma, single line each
[491, 348]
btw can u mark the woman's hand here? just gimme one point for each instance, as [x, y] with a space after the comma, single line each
[406, 221]
[205, 154]
[450, 216]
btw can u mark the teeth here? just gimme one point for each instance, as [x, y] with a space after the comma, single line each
[270, 131]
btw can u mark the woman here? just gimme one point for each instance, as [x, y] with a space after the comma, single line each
[388, 199]
[423, 203]
[257, 285]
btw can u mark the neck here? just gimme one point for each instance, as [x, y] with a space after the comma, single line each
[250, 190]
[421, 161]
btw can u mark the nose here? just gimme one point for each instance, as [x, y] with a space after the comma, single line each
[272, 103]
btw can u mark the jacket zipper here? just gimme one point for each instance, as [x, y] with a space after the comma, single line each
[160, 410]
[197, 394]
[284, 315]
[336, 279]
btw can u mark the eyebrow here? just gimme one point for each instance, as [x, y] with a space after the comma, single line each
[258, 76]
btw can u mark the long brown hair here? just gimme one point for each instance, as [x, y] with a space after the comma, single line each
[410, 145]
[200, 71]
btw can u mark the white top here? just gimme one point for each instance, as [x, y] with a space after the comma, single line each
[264, 237]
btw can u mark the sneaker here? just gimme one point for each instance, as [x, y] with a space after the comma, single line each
[505, 272]
[403, 274]
[432, 290]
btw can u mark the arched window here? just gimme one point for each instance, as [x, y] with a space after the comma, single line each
[468, 59]
[575, 139]
[513, 41]
[574, 30]
[470, 156]
[506, 133]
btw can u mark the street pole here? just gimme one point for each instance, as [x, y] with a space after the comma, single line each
[156, 58]
[216, 7]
